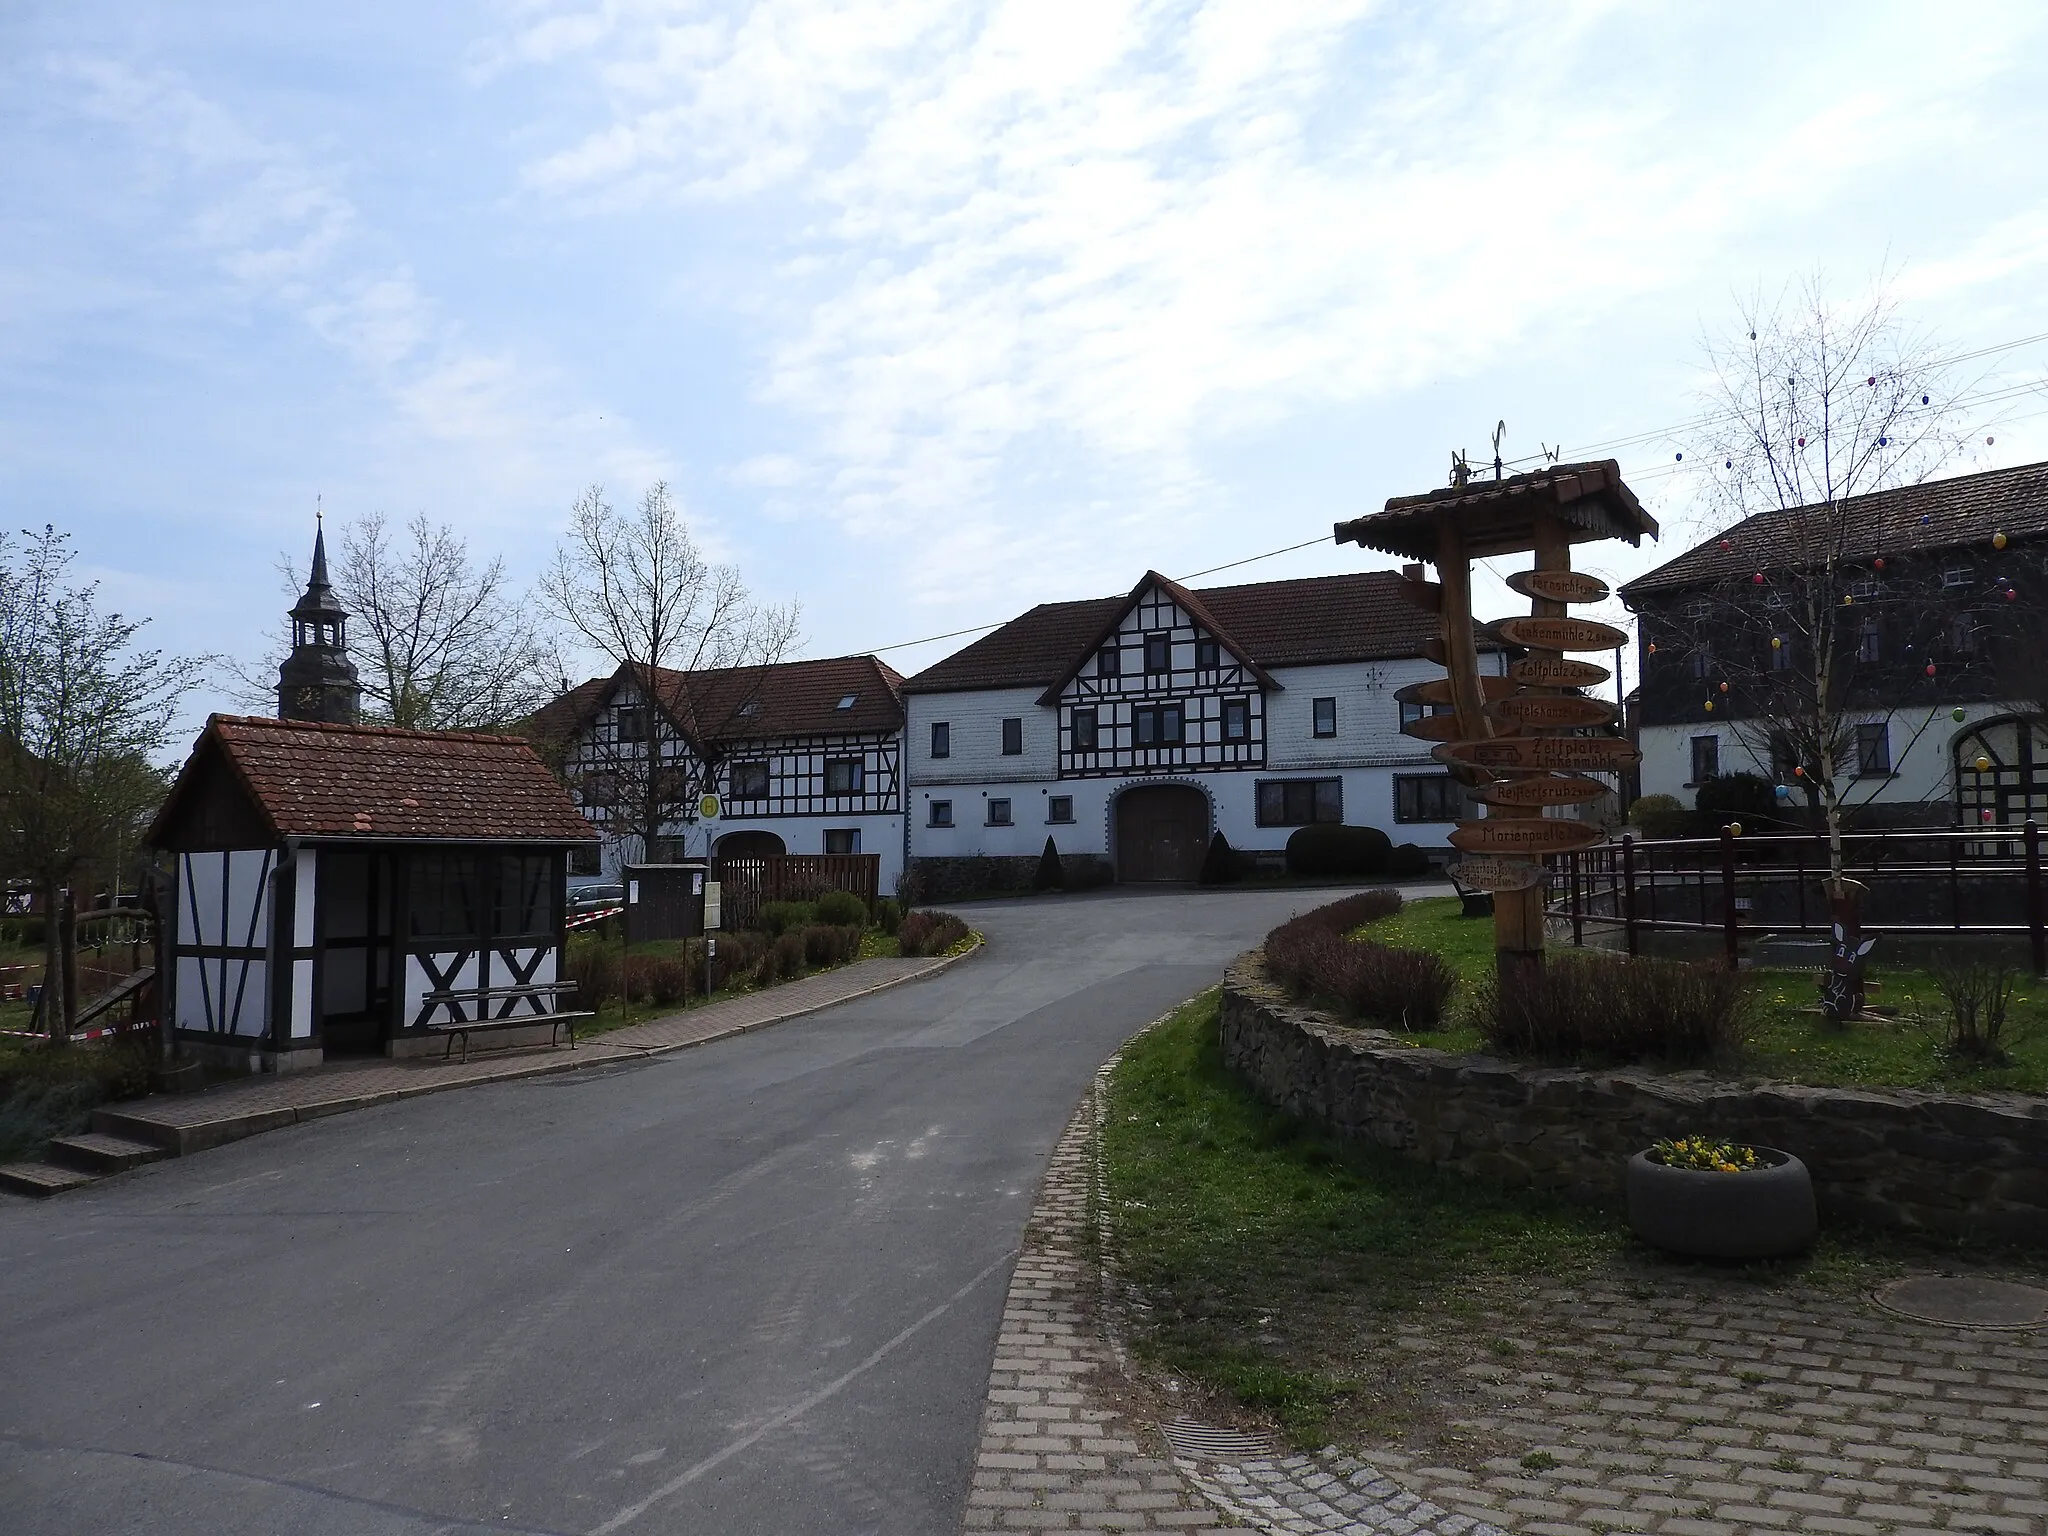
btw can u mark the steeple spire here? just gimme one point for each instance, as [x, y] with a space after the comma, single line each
[318, 681]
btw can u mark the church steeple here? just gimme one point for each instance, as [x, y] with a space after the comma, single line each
[318, 681]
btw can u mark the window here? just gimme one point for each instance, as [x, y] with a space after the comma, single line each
[1208, 655]
[1059, 808]
[665, 850]
[846, 701]
[1326, 717]
[750, 709]
[599, 787]
[1781, 653]
[942, 813]
[942, 739]
[1158, 653]
[1962, 634]
[842, 839]
[1955, 575]
[843, 776]
[1706, 758]
[586, 859]
[1870, 644]
[1109, 661]
[445, 895]
[750, 781]
[1702, 659]
[1084, 730]
[999, 813]
[1298, 802]
[1237, 719]
[1410, 712]
[632, 722]
[1874, 750]
[1013, 736]
[1159, 725]
[1427, 797]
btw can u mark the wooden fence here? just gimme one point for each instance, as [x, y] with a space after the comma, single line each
[745, 884]
[1917, 884]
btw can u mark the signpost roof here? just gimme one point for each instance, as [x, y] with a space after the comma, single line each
[1498, 517]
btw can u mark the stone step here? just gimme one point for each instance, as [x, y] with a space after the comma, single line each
[96, 1152]
[42, 1178]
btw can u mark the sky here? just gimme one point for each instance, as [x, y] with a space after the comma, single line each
[933, 310]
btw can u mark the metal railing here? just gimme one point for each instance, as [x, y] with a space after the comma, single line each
[1965, 881]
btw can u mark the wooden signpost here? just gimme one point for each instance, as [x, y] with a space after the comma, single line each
[1495, 747]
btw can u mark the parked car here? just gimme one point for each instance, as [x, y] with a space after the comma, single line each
[595, 898]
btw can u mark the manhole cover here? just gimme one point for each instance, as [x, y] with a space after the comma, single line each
[1201, 1442]
[1966, 1302]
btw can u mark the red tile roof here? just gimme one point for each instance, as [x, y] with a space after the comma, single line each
[791, 698]
[1359, 616]
[367, 781]
[1961, 512]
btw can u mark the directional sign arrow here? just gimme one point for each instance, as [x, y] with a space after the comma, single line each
[1554, 754]
[1489, 874]
[1560, 634]
[1559, 586]
[1526, 793]
[1544, 710]
[1557, 672]
[1525, 835]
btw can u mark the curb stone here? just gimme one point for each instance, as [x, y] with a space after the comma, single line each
[1054, 1456]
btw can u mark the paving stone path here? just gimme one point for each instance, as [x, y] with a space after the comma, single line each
[1690, 1406]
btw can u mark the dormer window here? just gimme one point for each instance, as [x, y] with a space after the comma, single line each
[750, 709]
[846, 702]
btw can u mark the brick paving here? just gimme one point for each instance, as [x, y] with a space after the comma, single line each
[1678, 1403]
[252, 1105]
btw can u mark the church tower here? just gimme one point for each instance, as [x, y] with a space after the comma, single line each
[318, 681]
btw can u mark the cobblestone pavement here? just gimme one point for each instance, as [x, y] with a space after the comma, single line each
[264, 1103]
[1681, 1405]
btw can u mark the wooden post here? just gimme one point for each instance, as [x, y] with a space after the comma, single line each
[1729, 935]
[2037, 927]
[1628, 891]
[67, 958]
[1578, 909]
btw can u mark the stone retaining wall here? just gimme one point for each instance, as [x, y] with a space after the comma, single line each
[1971, 1166]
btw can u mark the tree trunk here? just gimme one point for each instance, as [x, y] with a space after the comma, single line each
[53, 1001]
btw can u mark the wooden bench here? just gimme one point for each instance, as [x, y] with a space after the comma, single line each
[483, 997]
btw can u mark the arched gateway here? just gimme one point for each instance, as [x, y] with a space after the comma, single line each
[1162, 832]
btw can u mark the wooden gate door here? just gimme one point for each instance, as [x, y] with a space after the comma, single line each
[1162, 833]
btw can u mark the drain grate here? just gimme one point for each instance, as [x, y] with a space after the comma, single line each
[1203, 1442]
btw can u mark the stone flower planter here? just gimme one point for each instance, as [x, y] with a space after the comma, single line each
[1761, 1213]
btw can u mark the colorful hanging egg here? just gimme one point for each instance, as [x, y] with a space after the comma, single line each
[1758, 578]
[1777, 643]
[1983, 764]
[1956, 714]
[1735, 829]
[1798, 772]
[1930, 669]
[1999, 540]
[1724, 687]
[1710, 706]
[1878, 563]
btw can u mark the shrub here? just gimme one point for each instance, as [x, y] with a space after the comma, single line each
[1221, 866]
[1049, 876]
[1330, 849]
[1659, 816]
[1586, 1008]
[778, 917]
[658, 979]
[45, 1092]
[929, 933]
[1978, 993]
[1311, 956]
[1737, 797]
[887, 915]
[1407, 862]
[842, 908]
[783, 959]
[739, 953]
[831, 943]
[594, 968]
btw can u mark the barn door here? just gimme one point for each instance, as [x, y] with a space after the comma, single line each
[1162, 832]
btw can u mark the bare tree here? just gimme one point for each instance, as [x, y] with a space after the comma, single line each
[442, 644]
[82, 713]
[691, 638]
[1818, 620]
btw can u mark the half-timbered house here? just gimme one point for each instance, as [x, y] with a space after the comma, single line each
[1935, 592]
[1131, 729]
[342, 888]
[800, 757]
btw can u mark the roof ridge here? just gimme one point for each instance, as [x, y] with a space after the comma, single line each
[365, 728]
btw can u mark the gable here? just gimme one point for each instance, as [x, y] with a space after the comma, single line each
[210, 808]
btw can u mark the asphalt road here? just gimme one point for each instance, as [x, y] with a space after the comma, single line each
[752, 1287]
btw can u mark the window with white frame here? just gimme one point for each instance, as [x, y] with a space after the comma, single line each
[1873, 749]
[1237, 719]
[1706, 758]
[1427, 797]
[1299, 802]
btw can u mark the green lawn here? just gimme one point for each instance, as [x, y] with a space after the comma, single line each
[1785, 1043]
[1277, 1266]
